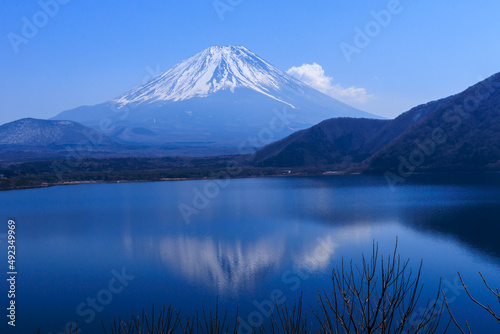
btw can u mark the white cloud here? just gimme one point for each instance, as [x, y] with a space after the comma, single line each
[314, 76]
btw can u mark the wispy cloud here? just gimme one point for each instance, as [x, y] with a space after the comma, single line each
[314, 76]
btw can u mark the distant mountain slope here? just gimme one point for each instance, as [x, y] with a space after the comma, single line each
[31, 138]
[218, 96]
[461, 132]
[38, 132]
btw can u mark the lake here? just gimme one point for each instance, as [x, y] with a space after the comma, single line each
[126, 246]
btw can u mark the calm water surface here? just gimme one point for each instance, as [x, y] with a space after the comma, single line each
[253, 237]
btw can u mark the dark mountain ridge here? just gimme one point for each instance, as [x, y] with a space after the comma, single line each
[460, 132]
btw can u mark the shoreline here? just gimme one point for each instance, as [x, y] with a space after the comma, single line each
[44, 185]
[172, 179]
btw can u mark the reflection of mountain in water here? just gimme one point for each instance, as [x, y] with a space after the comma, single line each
[232, 266]
[225, 266]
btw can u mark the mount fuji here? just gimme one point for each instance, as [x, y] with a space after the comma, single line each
[218, 97]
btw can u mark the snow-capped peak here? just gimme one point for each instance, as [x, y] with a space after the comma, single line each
[214, 69]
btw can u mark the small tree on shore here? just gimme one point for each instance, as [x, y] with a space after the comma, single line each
[368, 300]
[379, 296]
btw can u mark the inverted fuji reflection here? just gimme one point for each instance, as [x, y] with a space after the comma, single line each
[231, 266]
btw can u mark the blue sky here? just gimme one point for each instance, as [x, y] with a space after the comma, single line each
[89, 52]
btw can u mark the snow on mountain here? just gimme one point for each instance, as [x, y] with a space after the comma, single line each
[214, 69]
[220, 97]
